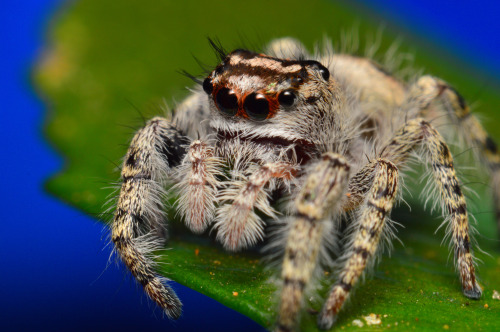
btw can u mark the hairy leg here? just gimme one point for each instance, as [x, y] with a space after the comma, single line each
[321, 194]
[429, 89]
[238, 226]
[420, 132]
[154, 150]
[372, 215]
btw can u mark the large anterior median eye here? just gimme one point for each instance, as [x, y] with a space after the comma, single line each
[256, 106]
[227, 101]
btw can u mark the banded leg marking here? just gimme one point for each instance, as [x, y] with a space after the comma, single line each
[153, 150]
[429, 88]
[373, 212]
[323, 189]
[419, 131]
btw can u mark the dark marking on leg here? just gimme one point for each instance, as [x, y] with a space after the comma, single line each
[491, 145]
[306, 216]
[345, 286]
[136, 177]
[363, 252]
[379, 209]
[461, 209]
[456, 189]
[295, 283]
[131, 160]
[461, 99]
[175, 147]
[445, 151]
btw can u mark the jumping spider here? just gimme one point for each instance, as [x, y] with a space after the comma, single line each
[333, 135]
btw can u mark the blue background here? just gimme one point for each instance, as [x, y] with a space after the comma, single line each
[54, 273]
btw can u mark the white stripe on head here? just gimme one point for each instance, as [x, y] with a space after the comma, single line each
[262, 62]
[246, 82]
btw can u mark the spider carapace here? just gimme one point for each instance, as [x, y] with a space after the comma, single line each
[332, 134]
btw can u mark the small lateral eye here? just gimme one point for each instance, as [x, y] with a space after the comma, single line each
[287, 98]
[256, 106]
[227, 101]
[325, 73]
[208, 86]
[297, 80]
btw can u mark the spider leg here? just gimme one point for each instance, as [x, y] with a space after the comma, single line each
[419, 131]
[198, 185]
[154, 150]
[426, 90]
[321, 194]
[238, 225]
[372, 216]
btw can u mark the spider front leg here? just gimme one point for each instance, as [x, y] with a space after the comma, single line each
[428, 89]
[372, 215]
[321, 194]
[420, 132]
[238, 225]
[154, 150]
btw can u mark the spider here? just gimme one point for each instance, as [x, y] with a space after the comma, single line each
[333, 134]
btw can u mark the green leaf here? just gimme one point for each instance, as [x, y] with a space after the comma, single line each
[111, 63]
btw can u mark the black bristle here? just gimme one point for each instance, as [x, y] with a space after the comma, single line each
[217, 46]
[251, 44]
[207, 69]
[191, 77]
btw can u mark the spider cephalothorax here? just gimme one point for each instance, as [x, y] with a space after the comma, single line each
[332, 135]
[273, 103]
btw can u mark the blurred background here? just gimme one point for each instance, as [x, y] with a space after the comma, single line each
[76, 71]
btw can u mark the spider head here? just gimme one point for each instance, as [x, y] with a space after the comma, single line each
[281, 104]
[257, 87]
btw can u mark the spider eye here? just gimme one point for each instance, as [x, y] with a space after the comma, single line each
[256, 106]
[297, 80]
[325, 73]
[207, 86]
[227, 101]
[287, 98]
